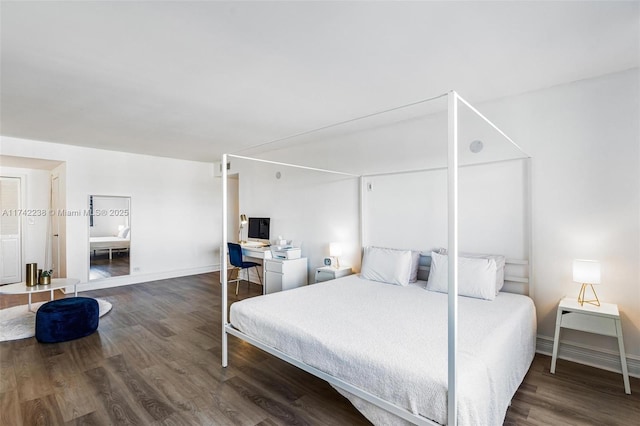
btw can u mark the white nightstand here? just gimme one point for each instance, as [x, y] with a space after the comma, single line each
[327, 273]
[604, 320]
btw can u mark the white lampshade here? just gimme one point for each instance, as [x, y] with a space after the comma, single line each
[586, 271]
[335, 249]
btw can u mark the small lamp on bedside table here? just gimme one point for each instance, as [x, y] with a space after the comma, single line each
[335, 250]
[586, 272]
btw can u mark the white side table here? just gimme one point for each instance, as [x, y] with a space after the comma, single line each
[603, 319]
[56, 283]
[327, 273]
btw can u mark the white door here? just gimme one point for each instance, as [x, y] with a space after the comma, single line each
[10, 231]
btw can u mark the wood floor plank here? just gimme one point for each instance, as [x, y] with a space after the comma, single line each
[87, 352]
[10, 413]
[95, 418]
[72, 397]
[143, 393]
[7, 375]
[173, 384]
[269, 403]
[115, 402]
[41, 411]
[209, 412]
[31, 375]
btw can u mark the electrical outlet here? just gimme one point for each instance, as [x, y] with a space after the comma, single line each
[136, 269]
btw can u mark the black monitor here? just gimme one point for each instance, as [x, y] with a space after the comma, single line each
[259, 228]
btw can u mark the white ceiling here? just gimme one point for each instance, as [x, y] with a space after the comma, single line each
[195, 79]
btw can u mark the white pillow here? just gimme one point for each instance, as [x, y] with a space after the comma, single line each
[386, 265]
[500, 264]
[124, 232]
[476, 276]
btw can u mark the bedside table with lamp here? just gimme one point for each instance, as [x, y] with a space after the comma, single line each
[332, 268]
[589, 315]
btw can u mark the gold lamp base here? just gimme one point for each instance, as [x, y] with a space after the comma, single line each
[581, 295]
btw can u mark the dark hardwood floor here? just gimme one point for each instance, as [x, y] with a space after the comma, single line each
[100, 266]
[155, 360]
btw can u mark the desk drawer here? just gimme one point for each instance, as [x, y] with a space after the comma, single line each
[273, 266]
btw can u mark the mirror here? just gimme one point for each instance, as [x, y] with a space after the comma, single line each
[109, 236]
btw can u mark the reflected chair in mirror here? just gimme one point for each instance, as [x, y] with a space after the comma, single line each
[235, 257]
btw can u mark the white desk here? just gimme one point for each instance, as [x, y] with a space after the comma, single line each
[277, 274]
[603, 319]
[256, 252]
[56, 283]
[259, 254]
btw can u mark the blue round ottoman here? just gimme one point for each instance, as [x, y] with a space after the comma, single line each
[67, 319]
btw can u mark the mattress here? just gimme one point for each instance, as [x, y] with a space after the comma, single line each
[96, 243]
[392, 342]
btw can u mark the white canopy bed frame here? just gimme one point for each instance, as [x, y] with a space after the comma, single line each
[452, 167]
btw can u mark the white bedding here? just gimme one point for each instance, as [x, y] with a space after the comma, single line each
[392, 342]
[98, 243]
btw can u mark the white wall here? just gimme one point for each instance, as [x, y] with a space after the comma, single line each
[585, 141]
[492, 210]
[312, 209]
[108, 225]
[174, 208]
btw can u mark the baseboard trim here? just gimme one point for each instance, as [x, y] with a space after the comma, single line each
[588, 355]
[141, 278]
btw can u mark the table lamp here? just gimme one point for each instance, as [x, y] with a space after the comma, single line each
[586, 272]
[335, 250]
[243, 222]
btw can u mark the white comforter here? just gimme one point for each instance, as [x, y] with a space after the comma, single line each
[392, 342]
[96, 243]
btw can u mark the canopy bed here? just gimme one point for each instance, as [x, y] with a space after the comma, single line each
[447, 344]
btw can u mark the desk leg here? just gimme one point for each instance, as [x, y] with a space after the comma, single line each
[623, 357]
[110, 255]
[29, 302]
[75, 290]
[556, 341]
[51, 298]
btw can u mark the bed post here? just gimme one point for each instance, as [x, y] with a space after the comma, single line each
[529, 163]
[362, 182]
[452, 185]
[223, 261]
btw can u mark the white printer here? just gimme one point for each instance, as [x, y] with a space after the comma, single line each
[286, 252]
